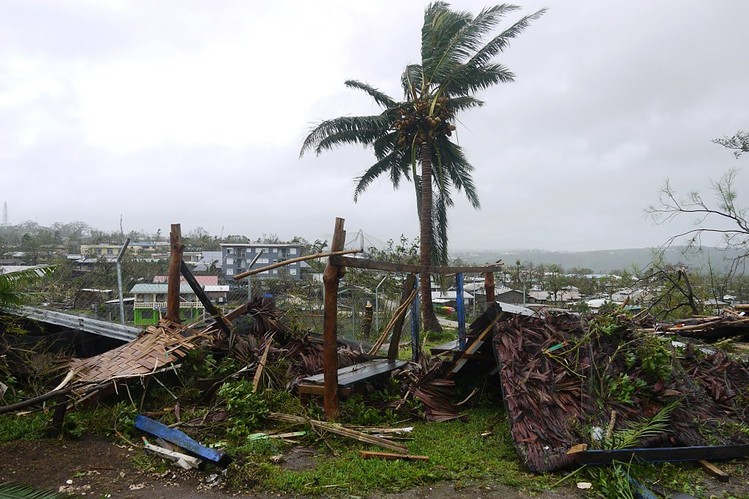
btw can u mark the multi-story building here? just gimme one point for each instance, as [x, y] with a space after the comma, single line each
[237, 257]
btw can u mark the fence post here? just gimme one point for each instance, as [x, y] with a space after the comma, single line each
[460, 309]
[331, 279]
[173, 284]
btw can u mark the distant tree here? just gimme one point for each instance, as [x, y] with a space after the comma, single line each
[722, 216]
[739, 142]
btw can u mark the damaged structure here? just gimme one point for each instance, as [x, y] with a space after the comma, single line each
[576, 389]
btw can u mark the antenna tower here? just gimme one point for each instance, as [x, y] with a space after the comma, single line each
[5, 213]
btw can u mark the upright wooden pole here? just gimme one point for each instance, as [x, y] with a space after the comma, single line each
[331, 277]
[175, 261]
[489, 288]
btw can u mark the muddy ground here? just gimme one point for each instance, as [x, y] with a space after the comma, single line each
[98, 467]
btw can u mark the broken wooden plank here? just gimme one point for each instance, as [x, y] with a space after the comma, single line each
[408, 285]
[294, 260]
[474, 346]
[662, 454]
[714, 471]
[398, 316]
[360, 372]
[223, 324]
[340, 430]
[390, 456]
[261, 364]
[181, 439]
[183, 460]
[365, 263]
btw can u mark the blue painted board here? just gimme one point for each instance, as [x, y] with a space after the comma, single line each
[181, 439]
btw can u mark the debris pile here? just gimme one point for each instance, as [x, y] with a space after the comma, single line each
[568, 382]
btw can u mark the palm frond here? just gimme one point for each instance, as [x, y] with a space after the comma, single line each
[462, 103]
[11, 283]
[346, 130]
[380, 98]
[440, 254]
[459, 170]
[411, 81]
[653, 427]
[16, 491]
[391, 163]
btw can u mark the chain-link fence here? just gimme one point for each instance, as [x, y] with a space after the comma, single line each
[129, 286]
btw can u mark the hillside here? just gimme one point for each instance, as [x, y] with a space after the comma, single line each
[602, 261]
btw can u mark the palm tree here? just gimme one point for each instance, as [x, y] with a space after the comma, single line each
[456, 62]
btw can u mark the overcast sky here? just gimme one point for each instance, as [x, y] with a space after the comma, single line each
[194, 112]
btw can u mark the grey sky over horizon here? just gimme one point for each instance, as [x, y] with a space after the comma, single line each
[194, 113]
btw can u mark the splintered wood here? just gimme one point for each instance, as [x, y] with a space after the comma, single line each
[157, 347]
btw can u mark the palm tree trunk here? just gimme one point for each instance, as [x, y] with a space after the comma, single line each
[429, 319]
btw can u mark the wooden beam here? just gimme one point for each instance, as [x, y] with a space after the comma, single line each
[221, 321]
[340, 430]
[172, 294]
[366, 454]
[293, 260]
[331, 278]
[409, 286]
[366, 263]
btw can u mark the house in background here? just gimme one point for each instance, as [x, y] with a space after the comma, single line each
[508, 295]
[150, 303]
[217, 293]
[237, 257]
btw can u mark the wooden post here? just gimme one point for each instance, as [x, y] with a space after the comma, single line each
[489, 288]
[408, 287]
[460, 309]
[331, 277]
[366, 323]
[221, 322]
[175, 260]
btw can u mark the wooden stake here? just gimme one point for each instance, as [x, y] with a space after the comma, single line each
[388, 455]
[172, 294]
[340, 430]
[331, 278]
[398, 316]
[408, 289]
[263, 360]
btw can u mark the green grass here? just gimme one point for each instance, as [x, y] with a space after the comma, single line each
[26, 427]
[456, 452]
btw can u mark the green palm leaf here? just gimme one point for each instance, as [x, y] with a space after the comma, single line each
[11, 283]
[17, 491]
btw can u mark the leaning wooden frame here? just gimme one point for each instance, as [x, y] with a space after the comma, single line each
[334, 271]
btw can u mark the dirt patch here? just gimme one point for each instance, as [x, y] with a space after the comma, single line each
[98, 467]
